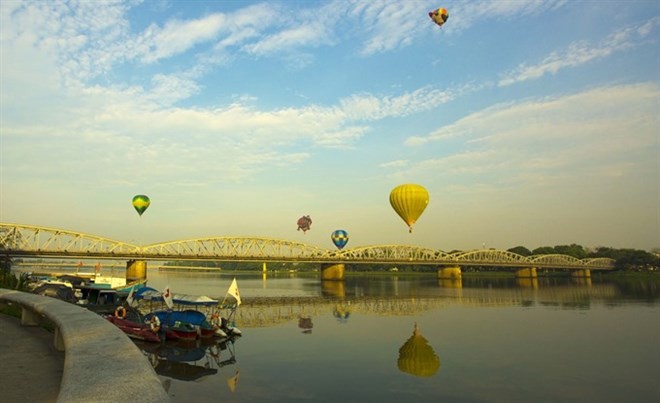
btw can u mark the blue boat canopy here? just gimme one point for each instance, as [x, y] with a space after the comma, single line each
[151, 294]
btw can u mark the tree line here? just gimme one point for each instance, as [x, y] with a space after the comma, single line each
[626, 259]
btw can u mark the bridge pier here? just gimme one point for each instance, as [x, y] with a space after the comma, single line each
[582, 273]
[528, 272]
[333, 271]
[452, 273]
[136, 270]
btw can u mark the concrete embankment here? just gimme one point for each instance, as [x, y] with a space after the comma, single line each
[101, 364]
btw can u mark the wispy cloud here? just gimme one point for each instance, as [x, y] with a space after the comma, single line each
[465, 15]
[371, 107]
[580, 53]
[593, 133]
[177, 36]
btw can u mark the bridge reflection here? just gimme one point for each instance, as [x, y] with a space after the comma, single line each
[268, 311]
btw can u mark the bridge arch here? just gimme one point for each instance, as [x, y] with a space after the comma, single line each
[393, 254]
[501, 257]
[46, 241]
[599, 262]
[27, 240]
[240, 248]
[555, 260]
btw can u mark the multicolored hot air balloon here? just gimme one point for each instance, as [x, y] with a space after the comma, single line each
[141, 203]
[339, 238]
[304, 223]
[439, 16]
[409, 202]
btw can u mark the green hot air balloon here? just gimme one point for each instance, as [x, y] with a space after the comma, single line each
[141, 203]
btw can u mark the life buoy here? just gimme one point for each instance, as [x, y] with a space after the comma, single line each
[120, 312]
[154, 324]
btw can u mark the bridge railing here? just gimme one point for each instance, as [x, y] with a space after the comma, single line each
[101, 363]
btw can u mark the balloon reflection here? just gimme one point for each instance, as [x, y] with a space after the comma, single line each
[416, 356]
[341, 312]
[305, 323]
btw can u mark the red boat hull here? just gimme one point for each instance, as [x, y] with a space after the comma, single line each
[134, 330]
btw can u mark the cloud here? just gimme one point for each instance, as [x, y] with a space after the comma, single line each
[371, 107]
[600, 133]
[168, 89]
[580, 53]
[464, 15]
[388, 24]
[177, 36]
[395, 164]
[298, 36]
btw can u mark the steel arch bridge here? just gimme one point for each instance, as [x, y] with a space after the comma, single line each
[32, 241]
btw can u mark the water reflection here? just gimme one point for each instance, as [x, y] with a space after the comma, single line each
[342, 312]
[527, 282]
[450, 283]
[189, 360]
[417, 357]
[305, 323]
[333, 289]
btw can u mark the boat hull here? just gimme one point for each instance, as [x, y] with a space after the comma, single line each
[134, 330]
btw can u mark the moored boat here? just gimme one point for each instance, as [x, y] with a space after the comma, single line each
[184, 309]
[173, 329]
[135, 330]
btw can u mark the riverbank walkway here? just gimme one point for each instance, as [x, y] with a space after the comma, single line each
[32, 368]
[100, 363]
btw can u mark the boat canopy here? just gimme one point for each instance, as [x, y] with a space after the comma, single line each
[151, 294]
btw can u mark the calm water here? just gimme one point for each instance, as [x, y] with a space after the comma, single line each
[490, 340]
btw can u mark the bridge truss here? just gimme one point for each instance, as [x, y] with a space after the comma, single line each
[32, 241]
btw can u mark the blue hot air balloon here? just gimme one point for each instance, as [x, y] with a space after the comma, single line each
[339, 238]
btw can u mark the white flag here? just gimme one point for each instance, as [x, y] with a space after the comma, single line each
[167, 296]
[131, 296]
[233, 291]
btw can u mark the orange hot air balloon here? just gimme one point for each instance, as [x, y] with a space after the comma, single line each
[409, 201]
[439, 16]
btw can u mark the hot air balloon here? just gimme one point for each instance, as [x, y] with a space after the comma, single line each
[339, 238]
[304, 223]
[439, 16]
[409, 202]
[141, 203]
[417, 357]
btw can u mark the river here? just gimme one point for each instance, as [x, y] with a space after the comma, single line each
[395, 338]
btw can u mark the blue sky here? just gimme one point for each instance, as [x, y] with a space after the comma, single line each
[529, 122]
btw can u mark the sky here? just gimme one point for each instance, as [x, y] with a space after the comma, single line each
[530, 123]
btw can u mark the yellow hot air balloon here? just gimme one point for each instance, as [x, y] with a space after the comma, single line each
[409, 202]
